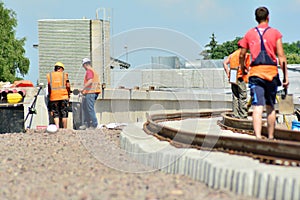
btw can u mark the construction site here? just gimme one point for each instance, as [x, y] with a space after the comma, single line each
[158, 109]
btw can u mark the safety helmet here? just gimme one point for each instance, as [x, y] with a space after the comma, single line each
[59, 64]
[85, 60]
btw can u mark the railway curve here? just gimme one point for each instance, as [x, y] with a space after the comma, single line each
[279, 152]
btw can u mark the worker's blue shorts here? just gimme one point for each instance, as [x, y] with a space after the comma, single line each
[263, 92]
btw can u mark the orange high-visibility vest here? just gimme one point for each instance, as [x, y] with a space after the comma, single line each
[95, 86]
[266, 72]
[57, 83]
[234, 63]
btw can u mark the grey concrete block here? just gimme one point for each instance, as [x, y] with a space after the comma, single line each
[241, 175]
[116, 94]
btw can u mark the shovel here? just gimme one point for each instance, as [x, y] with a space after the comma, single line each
[285, 105]
[285, 101]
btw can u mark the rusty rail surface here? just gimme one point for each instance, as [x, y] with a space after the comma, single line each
[281, 152]
[245, 126]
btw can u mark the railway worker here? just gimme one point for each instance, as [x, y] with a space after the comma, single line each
[59, 94]
[239, 85]
[90, 92]
[264, 43]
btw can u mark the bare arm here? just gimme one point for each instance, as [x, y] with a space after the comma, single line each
[242, 60]
[87, 84]
[49, 89]
[282, 62]
[225, 65]
[68, 85]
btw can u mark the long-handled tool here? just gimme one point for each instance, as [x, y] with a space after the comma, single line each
[285, 100]
[249, 103]
[31, 109]
[283, 114]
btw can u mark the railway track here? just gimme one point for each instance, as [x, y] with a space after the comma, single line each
[245, 126]
[279, 152]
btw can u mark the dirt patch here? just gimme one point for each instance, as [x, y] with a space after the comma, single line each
[70, 165]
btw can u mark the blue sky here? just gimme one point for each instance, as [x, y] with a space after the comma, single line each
[193, 19]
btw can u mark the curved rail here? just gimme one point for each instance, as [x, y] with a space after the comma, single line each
[246, 126]
[269, 151]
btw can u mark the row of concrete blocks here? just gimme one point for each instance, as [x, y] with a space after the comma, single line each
[239, 174]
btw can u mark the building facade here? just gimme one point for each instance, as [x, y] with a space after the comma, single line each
[69, 41]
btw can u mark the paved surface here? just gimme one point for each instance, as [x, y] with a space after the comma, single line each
[239, 174]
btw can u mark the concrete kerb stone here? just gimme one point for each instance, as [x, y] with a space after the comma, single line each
[278, 183]
[149, 150]
[239, 174]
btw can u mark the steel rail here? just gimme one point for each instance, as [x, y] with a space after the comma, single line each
[246, 126]
[270, 151]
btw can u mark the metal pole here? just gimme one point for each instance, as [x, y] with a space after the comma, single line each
[126, 52]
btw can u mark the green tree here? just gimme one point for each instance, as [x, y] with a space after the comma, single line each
[294, 47]
[12, 57]
[225, 49]
[293, 58]
[219, 51]
[213, 42]
[292, 52]
[207, 54]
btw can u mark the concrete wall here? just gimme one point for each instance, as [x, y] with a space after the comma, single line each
[165, 62]
[130, 105]
[170, 78]
[127, 105]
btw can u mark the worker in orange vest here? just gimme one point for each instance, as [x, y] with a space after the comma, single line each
[238, 83]
[59, 94]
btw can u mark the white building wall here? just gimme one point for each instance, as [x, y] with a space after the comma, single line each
[170, 78]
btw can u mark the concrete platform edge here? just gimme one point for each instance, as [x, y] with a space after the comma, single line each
[239, 174]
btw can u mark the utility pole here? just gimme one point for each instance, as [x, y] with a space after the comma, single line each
[126, 52]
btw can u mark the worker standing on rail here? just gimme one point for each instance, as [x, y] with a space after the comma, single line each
[264, 44]
[59, 94]
[239, 85]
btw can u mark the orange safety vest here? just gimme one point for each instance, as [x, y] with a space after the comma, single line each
[57, 83]
[266, 72]
[234, 63]
[95, 86]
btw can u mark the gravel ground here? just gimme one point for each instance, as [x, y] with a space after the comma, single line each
[86, 165]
